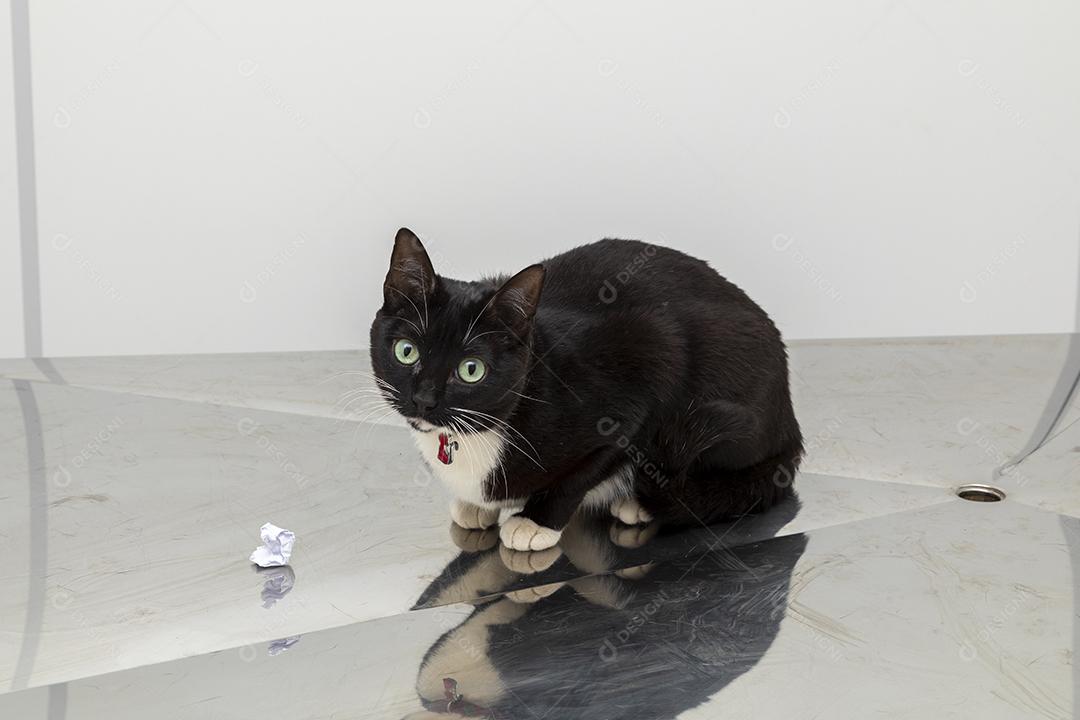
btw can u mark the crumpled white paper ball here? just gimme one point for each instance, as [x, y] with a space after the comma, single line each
[276, 548]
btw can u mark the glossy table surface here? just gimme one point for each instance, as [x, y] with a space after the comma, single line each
[132, 491]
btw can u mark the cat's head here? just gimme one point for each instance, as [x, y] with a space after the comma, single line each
[449, 353]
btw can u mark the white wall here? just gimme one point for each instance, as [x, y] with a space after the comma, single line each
[11, 328]
[228, 176]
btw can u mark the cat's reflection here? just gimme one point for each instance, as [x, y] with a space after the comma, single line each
[583, 630]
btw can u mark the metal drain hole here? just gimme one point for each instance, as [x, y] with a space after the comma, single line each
[980, 493]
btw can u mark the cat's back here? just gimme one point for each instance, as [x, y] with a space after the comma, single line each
[633, 272]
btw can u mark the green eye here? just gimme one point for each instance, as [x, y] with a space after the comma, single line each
[471, 370]
[406, 352]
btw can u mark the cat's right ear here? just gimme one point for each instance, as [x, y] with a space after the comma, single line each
[411, 278]
[515, 303]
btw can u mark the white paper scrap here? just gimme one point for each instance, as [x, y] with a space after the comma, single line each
[277, 546]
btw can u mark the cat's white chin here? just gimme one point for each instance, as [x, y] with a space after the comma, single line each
[420, 425]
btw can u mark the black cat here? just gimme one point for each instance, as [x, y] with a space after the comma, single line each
[619, 375]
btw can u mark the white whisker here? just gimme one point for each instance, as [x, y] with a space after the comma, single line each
[535, 457]
[418, 316]
[486, 332]
[500, 421]
[477, 318]
[465, 447]
[529, 397]
[477, 433]
[498, 462]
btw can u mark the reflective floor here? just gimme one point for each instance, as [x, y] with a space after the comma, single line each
[132, 492]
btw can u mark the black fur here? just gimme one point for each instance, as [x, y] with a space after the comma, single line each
[614, 354]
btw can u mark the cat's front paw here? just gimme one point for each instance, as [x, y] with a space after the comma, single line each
[521, 533]
[473, 541]
[533, 594]
[629, 511]
[635, 573]
[473, 517]
[529, 562]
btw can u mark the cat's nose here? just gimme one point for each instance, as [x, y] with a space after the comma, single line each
[424, 400]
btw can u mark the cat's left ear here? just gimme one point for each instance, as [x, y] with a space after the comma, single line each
[411, 278]
[515, 303]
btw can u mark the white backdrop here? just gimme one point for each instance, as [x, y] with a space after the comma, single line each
[218, 177]
[11, 328]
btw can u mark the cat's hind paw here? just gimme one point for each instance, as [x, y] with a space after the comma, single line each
[521, 533]
[629, 511]
[473, 517]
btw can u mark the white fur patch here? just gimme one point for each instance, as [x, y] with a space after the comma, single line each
[620, 485]
[521, 533]
[476, 456]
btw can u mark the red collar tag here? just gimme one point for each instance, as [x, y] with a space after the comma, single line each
[447, 447]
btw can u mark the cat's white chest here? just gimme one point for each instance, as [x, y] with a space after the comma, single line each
[472, 457]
